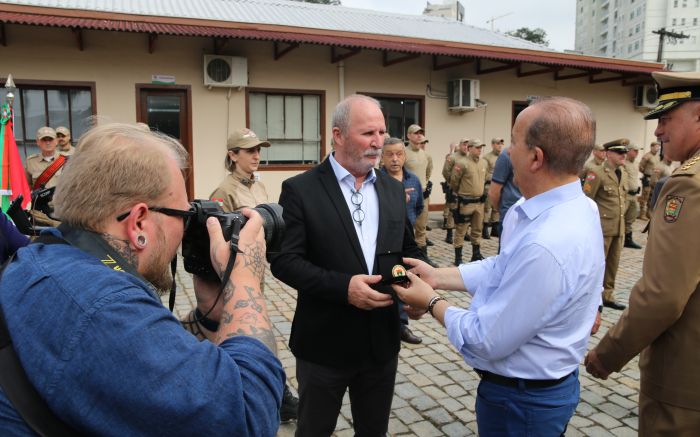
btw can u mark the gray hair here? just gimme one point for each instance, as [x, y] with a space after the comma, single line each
[392, 140]
[565, 131]
[341, 114]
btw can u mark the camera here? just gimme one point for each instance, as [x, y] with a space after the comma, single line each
[195, 242]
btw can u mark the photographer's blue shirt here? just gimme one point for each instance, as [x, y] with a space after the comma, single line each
[110, 359]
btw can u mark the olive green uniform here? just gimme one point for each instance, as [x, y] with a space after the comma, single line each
[419, 163]
[610, 194]
[662, 321]
[646, 167]
[238, 191]
[467, 182]
[491, 215]
[592, 162]
[450, 203]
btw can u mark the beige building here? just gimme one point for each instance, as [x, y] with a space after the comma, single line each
[280, 68]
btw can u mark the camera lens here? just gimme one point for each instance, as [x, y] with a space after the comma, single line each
[273, 225]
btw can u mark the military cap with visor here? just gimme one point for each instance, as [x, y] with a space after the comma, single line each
[619, 145]
[63, 131]
[475, 143]
[45, 132]
[674, 88]
[415, 128]
[244, 139]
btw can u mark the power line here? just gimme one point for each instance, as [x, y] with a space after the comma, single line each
[666, 33]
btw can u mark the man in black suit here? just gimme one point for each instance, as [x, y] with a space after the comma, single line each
[342, 216]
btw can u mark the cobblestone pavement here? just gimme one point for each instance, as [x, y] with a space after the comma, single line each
[435, 389]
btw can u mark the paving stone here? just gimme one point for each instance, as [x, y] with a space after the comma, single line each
[423, 403]
[624, 432]
[408, 415]
[424, 429]
[450, 404]
[605, 420]
[454, 390]
[439, 416]
[396, 426]
[615, 410]
[595, 431]
[456, 429]
[407, 390]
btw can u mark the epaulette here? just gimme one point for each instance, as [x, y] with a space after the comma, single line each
[689, 167]
[32, 156]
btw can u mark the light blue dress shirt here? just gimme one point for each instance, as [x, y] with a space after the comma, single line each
[367, 230]
[535, 303]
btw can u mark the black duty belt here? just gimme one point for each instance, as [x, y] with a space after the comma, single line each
[518, 382]
[469, 199]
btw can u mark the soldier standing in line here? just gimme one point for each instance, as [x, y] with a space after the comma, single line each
[633, 190]
[64, 141]
[467, 183]
[606, 184]
[597, 158]
[419, 163]
[448, 222]
[491, 216]
[44, 169]
[646, 166]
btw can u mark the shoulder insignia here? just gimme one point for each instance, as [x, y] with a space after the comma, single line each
[688, 164]
[457, 168]
[590, 176]
[673, 208]
[219, 200]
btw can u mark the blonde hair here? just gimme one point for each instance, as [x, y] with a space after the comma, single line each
[115, 166]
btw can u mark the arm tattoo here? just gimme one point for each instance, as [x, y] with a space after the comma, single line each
[122, 248]
[254, 260]
[248, 315]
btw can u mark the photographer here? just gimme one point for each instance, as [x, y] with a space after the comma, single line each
[83, 311]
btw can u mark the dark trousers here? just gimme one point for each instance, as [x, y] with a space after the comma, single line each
[519, 411]
[321, 391]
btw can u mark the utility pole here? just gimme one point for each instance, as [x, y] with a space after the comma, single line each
[666, 33]
[496, 18]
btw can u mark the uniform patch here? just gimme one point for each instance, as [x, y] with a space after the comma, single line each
[398, 271]
[220, 201]
[673, 208]
[590, 177]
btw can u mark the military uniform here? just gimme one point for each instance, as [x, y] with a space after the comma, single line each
[646, 166]
[419, 163]
[610, 194]
[632, 208]
[467, 182]
[450, 202]
[238, 191]
[36, 164]
[491, 215]
[588, 166]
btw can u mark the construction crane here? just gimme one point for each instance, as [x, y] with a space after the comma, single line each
[496, 18]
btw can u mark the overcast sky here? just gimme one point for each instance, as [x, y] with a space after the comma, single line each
[556, 17]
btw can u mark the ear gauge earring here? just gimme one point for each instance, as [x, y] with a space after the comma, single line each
[141, 240]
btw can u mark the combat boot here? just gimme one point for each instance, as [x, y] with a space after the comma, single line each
[444, 223]
[485, 233]
[290, 405]
[496, 230]
[448, 237]
[476, 253]
[426, 258]
[458, 256]
[629, 242]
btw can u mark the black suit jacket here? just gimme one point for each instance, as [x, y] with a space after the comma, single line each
[319, 255]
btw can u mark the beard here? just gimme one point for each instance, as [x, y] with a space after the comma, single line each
[157, 271]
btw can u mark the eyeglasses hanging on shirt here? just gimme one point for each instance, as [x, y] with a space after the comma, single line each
[358, 215]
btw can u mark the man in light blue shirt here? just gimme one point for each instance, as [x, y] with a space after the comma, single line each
[535, 303]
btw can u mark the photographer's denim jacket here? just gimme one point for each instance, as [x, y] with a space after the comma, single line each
[110, 359]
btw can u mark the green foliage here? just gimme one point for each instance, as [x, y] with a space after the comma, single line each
[538, 35]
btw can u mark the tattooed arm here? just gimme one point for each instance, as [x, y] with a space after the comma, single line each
[243, 308]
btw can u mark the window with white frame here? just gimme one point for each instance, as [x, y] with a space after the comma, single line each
[290, 122]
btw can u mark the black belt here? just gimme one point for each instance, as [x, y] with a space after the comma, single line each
[633, 192]
[468, 200]
[516, 382]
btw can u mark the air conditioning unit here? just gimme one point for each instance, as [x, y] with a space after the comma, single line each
[225, 71]
[645, 96]
[462, 94]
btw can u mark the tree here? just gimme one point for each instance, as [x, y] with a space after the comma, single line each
[538, 35]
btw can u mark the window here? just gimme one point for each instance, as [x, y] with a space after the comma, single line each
[675, 3]
[636, 29]
[630, 34]
[36, 106]
[682, 21]
[673, 22]
[400, 112]
[695, 21]
[291, 122]
[636, 45]
[685, 3]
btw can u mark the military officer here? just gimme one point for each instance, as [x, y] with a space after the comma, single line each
[64, 141]
[467, 182]
[448, 222]
[597, 158]
[491, 215]
[633, 190]
[240, 189]
[649, 162]
[606, 184]
[419, 163]
[44, 170]
[663, 318]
